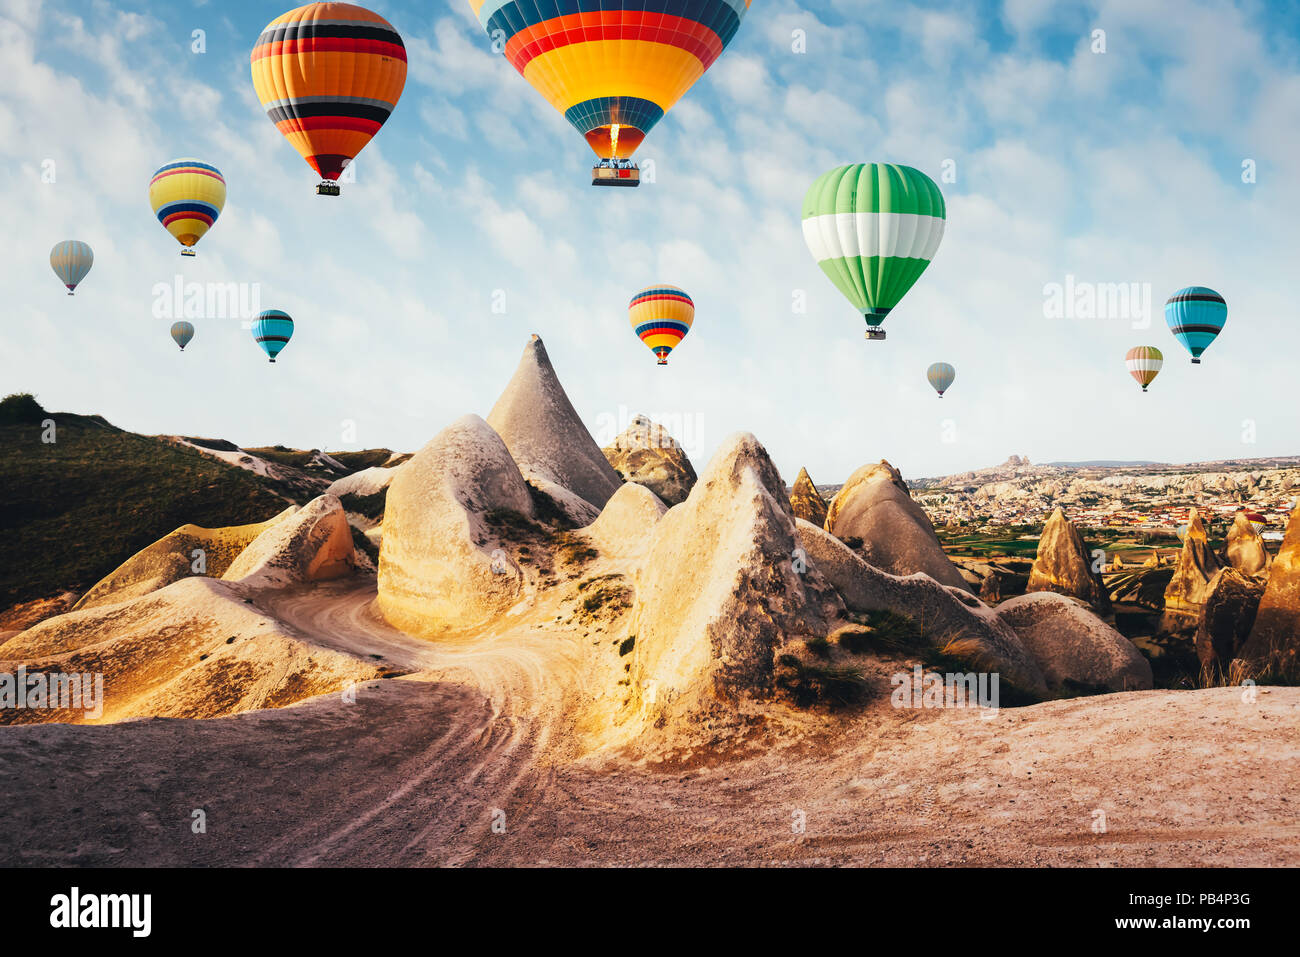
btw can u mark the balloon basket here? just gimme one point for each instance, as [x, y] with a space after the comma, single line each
[1196, 362]
[874, 334]
[610, 173]
[328, 188]
[187, 252]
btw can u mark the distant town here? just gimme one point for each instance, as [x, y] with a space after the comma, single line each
[1153, 498]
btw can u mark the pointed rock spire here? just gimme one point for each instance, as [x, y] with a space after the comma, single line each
[806, 501]
[544, 433]
[1064, 565]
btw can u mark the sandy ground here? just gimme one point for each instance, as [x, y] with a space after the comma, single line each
[467, 761]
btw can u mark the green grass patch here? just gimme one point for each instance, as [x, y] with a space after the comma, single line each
[76, 508]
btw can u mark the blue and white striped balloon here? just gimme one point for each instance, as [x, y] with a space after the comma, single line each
[71, 260]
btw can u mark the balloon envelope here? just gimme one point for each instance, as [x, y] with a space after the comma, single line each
[187, 196]
[873, 228]
[1196, 315]
[182, 332]
[941, 375]
[329, 75]
[661, 315]
[1144, 364]
[71, 260]
[272, 330]
[613, 68]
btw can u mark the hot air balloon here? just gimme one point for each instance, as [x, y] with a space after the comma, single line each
[71, 260]
[1144, 363]
[873, 228]
[1195, 316]
[187, 196]
[661, 315]
[613, 68]
[182, 332]
[1257, 521]
[272, 330]
[329, 75]
[941, 375]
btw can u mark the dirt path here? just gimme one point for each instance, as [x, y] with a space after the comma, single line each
[418, 769]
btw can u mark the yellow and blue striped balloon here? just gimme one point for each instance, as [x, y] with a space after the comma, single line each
[661, 315]
[187, 196]
[1196, 315]
[612, 67]
[71, 260]
[272, 330]
[941, 375]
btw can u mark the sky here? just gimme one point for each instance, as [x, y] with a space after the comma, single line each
[1109, 141]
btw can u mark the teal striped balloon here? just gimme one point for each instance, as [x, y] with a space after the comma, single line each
[71, 260]
[1196, 316]
[272, 330]
[941, 375]
[873, 228]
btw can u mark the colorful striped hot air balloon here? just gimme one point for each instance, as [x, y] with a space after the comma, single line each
[182, 332]
[187, 196]
[661, 315]
[71, 260]
[1195, 316]
[329, 75]
[941, 375]
[272, 330]
[613, 68]
[1144, 364]
[873, 228]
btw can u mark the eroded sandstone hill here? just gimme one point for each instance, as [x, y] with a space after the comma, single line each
[647, 454]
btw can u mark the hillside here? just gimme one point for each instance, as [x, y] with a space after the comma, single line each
[75, 508]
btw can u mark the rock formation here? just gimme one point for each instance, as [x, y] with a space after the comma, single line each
[1230, 610]
[627, 522]
[545, 436]
[1274, 641]
[369, 481]
[196, 648]
[1064, 565]
[944, 613]
[874, 513]
[806, 501]
[1187, 590]
[1073, 646]
[312, 544]
[441, 564]
[1245, 548]
[646, 454]
[174, 557]
[720, 591]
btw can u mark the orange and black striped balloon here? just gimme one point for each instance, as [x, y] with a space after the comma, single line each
[329, 75]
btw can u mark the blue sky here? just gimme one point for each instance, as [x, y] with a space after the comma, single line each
[1115, 167]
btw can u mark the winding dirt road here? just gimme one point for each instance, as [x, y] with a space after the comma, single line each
[466, 760]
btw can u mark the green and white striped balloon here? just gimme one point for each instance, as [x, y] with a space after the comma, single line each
[873, 228]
